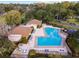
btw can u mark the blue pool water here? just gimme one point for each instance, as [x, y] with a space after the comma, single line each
[52, 38]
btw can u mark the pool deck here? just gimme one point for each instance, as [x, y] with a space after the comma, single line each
[41, 30]
[32, 43]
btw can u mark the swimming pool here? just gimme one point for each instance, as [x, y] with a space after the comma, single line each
[52, 38]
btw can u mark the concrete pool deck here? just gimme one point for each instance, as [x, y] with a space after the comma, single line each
[37, 34]
[32, 43]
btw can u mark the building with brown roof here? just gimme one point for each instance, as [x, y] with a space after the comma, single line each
[18, 32]
[35, 22]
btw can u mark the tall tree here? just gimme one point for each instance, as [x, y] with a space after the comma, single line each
[13, 17]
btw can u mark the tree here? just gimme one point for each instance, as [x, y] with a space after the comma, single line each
[77, 8]
[26, 17]
[6, 47]
[24, 20]
[40, 13]
[65, 4]
[13, 17]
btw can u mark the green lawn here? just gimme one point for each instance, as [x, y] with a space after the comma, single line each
[73, 21]
[61, 25]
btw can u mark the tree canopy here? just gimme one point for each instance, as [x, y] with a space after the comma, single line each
[13, 17]
[6, 47]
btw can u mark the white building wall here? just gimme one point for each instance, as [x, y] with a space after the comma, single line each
[14, 37]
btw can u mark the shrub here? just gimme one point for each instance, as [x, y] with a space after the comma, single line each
[32, 53]
[24, 40]
[54, 56]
